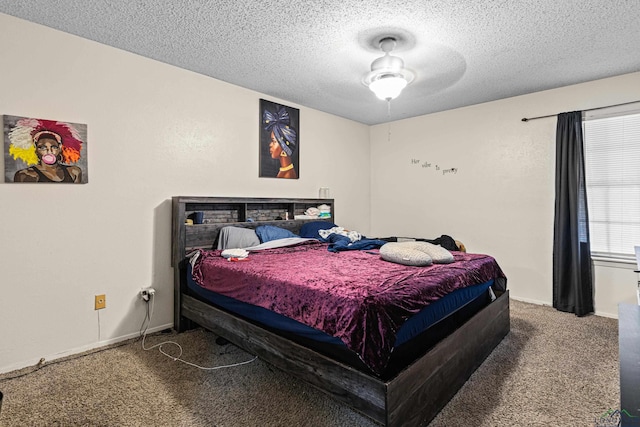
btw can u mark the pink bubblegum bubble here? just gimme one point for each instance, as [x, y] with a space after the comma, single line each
[49, 159]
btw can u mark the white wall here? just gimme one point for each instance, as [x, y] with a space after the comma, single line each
[154, 131]
[501, 199]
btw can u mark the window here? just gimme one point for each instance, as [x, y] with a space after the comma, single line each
[612, 163]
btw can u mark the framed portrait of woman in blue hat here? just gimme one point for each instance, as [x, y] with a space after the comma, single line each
[279, 141]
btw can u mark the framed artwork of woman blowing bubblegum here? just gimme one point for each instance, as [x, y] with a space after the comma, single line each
[44, 151]
[279, 141]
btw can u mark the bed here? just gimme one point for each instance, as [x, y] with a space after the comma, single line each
[408, 385]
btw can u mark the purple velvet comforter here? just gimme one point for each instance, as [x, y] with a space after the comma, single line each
[353, 295]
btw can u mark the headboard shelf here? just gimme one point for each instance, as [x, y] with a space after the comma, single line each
[220, 212]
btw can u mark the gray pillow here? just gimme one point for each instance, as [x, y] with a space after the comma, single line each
[400, 253]
[237, 238]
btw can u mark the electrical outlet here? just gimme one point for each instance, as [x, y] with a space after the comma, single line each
[101, 302]
[147, 293]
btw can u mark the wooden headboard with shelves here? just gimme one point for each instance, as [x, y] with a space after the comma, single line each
[220, 212]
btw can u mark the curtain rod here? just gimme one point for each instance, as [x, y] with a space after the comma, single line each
[524, 119]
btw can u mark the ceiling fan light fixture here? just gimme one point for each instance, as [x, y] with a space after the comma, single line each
[388, 86]
[388, 77]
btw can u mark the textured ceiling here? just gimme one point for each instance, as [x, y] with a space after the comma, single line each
[315, 53]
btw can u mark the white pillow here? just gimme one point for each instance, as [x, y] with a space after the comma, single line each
[415, 253]
[438, 254]
[400, 253]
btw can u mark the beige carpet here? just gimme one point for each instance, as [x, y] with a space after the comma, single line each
[553, 369]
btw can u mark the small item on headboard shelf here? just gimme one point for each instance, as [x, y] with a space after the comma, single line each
[189, 222]
[324, 211]
[313, 212]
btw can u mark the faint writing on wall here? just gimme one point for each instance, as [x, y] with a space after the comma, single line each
[427, 165]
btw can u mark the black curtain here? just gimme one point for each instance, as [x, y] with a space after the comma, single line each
[572, 272]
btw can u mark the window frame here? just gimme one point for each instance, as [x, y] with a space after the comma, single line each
[598, 114]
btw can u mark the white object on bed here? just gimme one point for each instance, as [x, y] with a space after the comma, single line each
[234, 253]
[193, 257]
[400, 253]
[354, 236]
[438, 254]
[415, 253]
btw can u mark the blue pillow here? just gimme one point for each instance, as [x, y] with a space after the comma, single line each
[310, 229]
[266, 233]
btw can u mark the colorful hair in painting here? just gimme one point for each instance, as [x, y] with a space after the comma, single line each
[26, 132]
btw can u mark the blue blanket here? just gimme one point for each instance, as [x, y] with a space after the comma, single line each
[338, 242]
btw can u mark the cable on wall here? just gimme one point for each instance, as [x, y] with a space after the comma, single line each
[99, 327]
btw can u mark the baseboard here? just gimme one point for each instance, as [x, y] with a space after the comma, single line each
[548, 304]
[603, 314]
[79, 350]
[531, 301]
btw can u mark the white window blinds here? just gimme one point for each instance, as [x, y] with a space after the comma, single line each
[612, 163]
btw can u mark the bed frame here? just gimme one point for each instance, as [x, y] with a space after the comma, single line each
[411, 398]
